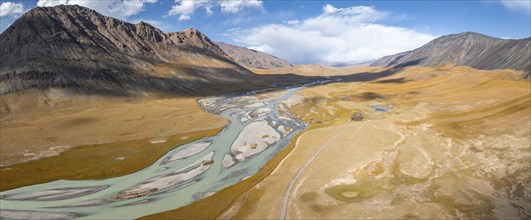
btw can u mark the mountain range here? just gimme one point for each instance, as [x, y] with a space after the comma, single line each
[467, 49]
[77, 48]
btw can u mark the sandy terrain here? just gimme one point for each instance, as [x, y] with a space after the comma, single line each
[162, 183]
[195, 149]
[253, 139]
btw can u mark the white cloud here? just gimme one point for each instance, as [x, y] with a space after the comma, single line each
[10, 8]
[329, 9]
[338, 35]
[234, 6]
[293, 22]
[234, 29]
[49, 3]
[522, 5]
[116, 8]
[262, 48]
[186, 8]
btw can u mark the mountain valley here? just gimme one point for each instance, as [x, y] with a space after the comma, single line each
[105, 119]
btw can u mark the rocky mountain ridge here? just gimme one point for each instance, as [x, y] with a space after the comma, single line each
[252, 58]
[76, 47]
[469, 49]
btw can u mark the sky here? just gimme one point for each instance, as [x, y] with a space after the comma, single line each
[328, 32]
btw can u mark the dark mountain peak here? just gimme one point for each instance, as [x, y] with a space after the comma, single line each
[465, 38]
[82, 19]
[146, 26]
[81, 26]
[470, 33]
[56, 11]
[195, 38]
[192, 33]
[142, 23]
[60, 8]
[469, 36]
[192, 30]
[62, 17]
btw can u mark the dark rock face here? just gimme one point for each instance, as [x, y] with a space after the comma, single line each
[76, 47]
[469, 49]
[252, 58]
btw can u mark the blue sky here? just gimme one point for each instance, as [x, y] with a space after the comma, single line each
[313, 31]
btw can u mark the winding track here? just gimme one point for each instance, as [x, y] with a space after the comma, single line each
[285, 200]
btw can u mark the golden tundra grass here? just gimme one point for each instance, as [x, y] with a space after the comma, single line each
[108, 138]
[98, 161]
[459, 102]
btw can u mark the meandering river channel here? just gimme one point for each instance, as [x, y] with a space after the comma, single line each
[260, 126]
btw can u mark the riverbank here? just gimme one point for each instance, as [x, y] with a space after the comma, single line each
[98, 140]
[260, 127]
[98, 161]
[424, 157]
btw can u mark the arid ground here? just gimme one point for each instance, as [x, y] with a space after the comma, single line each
[455, 142]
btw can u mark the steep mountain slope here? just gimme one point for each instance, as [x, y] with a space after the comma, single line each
[469, 49]
[252, 58]
[76, 47]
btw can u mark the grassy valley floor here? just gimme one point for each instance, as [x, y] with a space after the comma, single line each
[102, 139]
[456, 143]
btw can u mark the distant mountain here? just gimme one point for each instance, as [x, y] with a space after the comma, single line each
[76, 47]
[252, 58]
[469, 49]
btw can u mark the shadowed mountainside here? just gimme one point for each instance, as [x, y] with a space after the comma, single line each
[468, 49]
[252, 58]
[76, 47]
